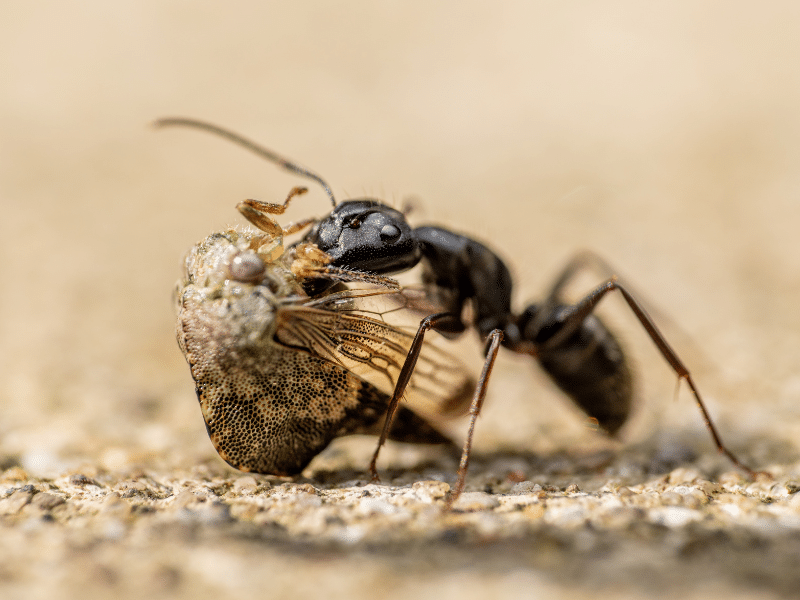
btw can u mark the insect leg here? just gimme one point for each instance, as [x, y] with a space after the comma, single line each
[581, 261]
[587, 305]
[429, 322]
[474, 410]
[590, 260]
[257, 212]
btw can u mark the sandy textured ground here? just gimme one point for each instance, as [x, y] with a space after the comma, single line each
[664, 139]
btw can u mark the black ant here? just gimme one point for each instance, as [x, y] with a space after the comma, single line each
[287, 354]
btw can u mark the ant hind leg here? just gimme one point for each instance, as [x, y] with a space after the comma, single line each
[587, 305]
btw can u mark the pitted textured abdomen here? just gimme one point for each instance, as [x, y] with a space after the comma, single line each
[275, 419]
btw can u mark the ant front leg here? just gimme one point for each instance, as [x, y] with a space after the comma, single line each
[585, 360]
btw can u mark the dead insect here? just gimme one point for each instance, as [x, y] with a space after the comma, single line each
[291, 347]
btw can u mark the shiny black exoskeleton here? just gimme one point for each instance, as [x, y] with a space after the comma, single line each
[578, 352]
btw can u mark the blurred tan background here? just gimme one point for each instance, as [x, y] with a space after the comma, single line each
[665, 138]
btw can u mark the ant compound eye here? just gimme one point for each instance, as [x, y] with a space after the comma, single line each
[390, 233]
[247, 268]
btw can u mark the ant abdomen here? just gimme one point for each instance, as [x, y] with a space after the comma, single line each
[585, 361]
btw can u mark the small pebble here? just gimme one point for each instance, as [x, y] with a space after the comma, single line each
[473, 501]
[526, 487]
[245, 485]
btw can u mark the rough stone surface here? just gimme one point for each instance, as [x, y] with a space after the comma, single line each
[204, 530]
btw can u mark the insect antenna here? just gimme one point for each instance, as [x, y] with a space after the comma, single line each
[249, 145]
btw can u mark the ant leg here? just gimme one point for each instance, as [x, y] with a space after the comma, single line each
[474, 410]
[579, 262]
[591, 260]
[311, 262]
[429, 322]
[587, 305]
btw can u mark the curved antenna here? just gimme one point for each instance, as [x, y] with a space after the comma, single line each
[249, 145]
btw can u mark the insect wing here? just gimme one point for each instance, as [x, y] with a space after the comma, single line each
[369, 333]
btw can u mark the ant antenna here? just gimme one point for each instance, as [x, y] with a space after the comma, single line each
[249, 145]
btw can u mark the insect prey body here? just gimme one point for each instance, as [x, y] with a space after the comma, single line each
[291, 347]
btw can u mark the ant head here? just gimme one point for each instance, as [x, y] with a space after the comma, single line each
[366, 235]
